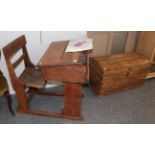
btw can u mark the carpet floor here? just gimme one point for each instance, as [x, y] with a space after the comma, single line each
[136, 106]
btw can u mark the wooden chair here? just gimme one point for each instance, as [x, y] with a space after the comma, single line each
[30, 81]
[4, 91]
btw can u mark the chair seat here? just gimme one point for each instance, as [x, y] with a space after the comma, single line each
[3, 85]
[32, 77]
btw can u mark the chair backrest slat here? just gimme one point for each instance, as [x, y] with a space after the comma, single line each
[18, 61]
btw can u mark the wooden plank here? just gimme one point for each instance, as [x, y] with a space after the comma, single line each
[20, 59]
[73, 96]
[110, 42]
[119, 42]
[153, 57]
[131, 86]
[74, 74]
[53, 55]
[146, 44]
[56, 56]
[102, 42]
[150, 75]
[50, 114]
[118, 63]
[131, 40]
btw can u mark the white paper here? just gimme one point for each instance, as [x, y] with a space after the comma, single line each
[79, 45]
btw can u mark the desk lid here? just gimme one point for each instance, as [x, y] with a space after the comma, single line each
[56, 56]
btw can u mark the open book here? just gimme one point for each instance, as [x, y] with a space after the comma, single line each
[79, 45]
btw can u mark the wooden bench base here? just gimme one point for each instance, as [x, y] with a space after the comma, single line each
[72, 102]
[50, 114]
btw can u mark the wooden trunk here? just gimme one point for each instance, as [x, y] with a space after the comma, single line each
[117, 72]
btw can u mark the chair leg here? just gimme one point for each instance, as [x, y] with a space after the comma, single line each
[9, 100]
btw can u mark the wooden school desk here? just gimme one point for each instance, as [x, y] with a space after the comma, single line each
[72, 70]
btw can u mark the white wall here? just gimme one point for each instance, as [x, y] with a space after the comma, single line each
[36, 48]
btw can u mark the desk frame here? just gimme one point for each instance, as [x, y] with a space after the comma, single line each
[57, 65]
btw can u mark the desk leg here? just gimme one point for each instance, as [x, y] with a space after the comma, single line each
[72, 100]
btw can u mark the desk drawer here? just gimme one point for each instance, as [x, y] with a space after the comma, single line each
[73, 74]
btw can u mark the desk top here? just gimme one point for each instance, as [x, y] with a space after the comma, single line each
[56, 56]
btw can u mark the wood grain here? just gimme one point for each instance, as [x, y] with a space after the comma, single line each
[117, 72]
[146, 44]
[70, 69]
[55, 65]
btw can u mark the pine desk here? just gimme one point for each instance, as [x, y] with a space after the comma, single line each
[72, 70]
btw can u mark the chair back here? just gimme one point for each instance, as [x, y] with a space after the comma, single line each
[11, 50]
[146, 45]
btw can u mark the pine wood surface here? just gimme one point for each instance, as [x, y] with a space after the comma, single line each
[146, 44]
[117, 72]
[55, 55]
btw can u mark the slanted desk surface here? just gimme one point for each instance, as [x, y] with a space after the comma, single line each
[56, 56]
[60, 66]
